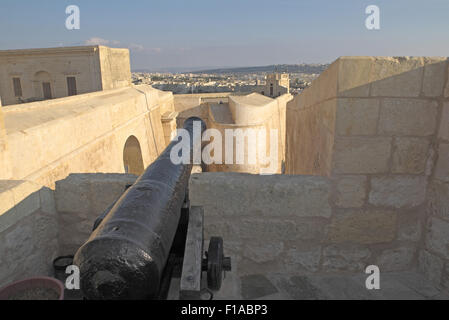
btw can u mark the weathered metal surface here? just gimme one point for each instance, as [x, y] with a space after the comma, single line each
[125, 255]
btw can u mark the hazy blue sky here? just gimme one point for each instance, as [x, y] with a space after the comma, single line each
[197, 33]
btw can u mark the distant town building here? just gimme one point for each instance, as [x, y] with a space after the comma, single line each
[276, 84]
[38, 74]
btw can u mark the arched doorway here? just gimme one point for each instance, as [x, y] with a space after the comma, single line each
[132, 156]
[43, 85]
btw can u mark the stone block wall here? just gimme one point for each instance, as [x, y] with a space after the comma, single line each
[434, 253]
[310, 137]
[376, 129]
[63, 136]
[291, 224]
[310, 126]
[38, 224]
[367, 152]
[268, 223]
[57, 64]
[239, 115]
[28, 230]
[389, 134]
[196, 105]
[84, 133]
[80, 199]
[386, 154]
[251, 162]
[115, 67]
[366, 115]
[4, 149]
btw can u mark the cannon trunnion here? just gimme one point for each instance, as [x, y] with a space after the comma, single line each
[138, 243]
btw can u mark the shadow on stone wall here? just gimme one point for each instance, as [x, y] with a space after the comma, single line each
[28, 231]
[376, 126]
[45, 224]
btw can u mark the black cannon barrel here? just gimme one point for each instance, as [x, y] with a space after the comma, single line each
[125, 255]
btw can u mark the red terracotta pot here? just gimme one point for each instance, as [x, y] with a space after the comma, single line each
[31, 283]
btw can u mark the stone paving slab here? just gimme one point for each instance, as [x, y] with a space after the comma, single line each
[257, 286]
[393, 286]
[408, 285]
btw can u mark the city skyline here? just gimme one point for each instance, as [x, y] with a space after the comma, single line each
[205, 34]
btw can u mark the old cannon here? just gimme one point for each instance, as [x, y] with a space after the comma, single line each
[150, 235]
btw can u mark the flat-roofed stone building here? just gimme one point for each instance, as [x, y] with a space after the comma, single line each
[28, 75]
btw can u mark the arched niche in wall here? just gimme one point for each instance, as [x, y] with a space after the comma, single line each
[132, 156]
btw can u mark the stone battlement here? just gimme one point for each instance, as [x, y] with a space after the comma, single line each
[366, 163]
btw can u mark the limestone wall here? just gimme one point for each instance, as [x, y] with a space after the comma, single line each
[434, 253]
[44, 142]
[190, 105]
[242, 113]
[28, 230]
[94, 68]
[33, 66]
[310, 126]
[366, 115]
[80, 199]
[38, 224]
[291, 224]
[367, 157]
[251, 109]
[241, 116]
[377, 127]
[245, 166]
[4, 150]
[115, 67]
[85, 133]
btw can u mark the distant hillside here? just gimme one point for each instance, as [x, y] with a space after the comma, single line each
[290, 68]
